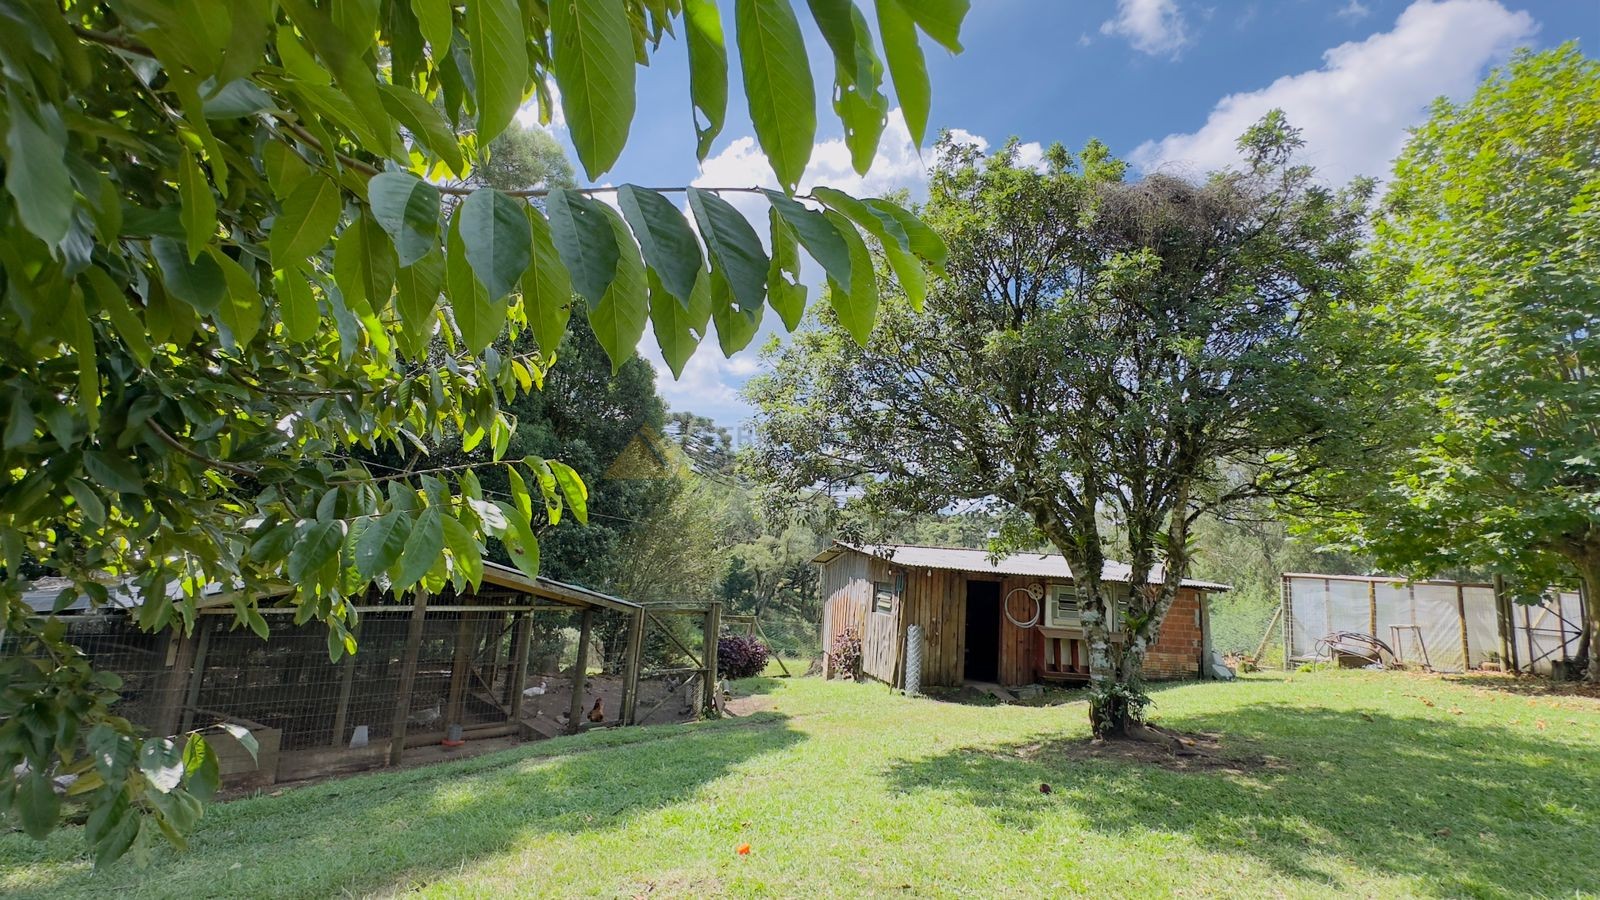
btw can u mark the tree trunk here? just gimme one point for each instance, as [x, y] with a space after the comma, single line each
[1589, 569]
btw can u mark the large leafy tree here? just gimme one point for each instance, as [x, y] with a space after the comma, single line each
[1486, 253]
[238, 253]
[1111, 359]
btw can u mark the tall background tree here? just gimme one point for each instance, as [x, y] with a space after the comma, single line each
[1486, 256]
[1113, 360]
[239, 253]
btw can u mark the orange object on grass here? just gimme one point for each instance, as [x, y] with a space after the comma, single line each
[744, 849]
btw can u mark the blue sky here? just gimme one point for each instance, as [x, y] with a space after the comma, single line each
[1166, 83]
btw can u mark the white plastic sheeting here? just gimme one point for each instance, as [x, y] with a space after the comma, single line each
[1422, 621]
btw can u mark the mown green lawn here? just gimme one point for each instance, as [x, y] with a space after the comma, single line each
[1376, 784]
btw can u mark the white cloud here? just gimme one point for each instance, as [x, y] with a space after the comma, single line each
[1354, 11]
[528, 113]
[1355, 109]
[1156, 27]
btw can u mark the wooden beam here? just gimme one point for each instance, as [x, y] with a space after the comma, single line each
[182, 647]
[1461, 610]
[632, 665]
[520, 642]
[460, 665]
[341, 716]
[713, 628]
[196, 677]
[1372, 608]
[408, 678]
[580, 673]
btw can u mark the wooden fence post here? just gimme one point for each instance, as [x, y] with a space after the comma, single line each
[520, 641]
[177, 687]
[580, 672]
[461, 668]
[1372, 608]
[713, 627]
[408, 677]
[341, 716]
[1461, 610]
[192, 698]
[632, 665]
[1508, 630]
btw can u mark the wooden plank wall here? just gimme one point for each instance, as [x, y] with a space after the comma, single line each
[847, 582]
[937, 600]
[1017, 663]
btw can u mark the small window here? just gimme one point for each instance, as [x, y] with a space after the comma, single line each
[1063, 607]
[882, 597]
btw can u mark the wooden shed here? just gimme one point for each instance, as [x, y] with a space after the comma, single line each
[969, 609]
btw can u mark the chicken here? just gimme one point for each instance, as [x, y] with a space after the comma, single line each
[598, 714]
[429, 716]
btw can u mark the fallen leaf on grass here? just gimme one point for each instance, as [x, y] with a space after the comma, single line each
[744, 850]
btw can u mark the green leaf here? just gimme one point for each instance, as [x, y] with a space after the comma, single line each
[880, 225]
[924, 241]
[114, 302]
[93, 508]
[573, 489]
[417, 289]
[297, 305]
[80, 335]
[317, 545]
[519, 539]
[408, 209]
[860, 104]
[161, 761]
[381, 543]
[244, 737]
[436, 18]
[676, 329]
[818, 235]
[734, 246]
[778, 84]
[907, 66]
[285, 169]
[36, 804]
[306, 222]
[591, 56]
[784, 291]
[112, 752]
[708, 70]
[735, 327]
[36, 168]
[857, 305]
[422, 548]
[198, 205]
[546, 287]
[586, 242]
[464, 549]
[20, 423]
[665, 237]
[199, 283]
[363, 266]
[425, 123]
[495, 232]
[499, 62]
[519, 492]
[619, 320]
[202, 771]
[478, 319]
[239, 314]
[113, 471]
[940, 19]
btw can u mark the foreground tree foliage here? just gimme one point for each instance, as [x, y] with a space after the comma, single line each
[242, 250]
[1111, 359]
[1486, 253]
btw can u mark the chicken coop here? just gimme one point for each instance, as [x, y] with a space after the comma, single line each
[517, 658]
[1447, 626]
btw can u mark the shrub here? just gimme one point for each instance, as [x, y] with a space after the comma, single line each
[740, 656]
[846, 653]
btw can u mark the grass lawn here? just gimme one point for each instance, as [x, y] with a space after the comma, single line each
[1372, 784]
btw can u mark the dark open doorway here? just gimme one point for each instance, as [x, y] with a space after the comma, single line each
[982, 657]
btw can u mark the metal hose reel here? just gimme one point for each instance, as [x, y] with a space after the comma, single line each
[1035, 594]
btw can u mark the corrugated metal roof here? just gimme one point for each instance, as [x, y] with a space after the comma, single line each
[957, 559]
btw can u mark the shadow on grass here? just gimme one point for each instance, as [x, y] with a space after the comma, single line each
[1473, 809]
[397, 830]
[1527, 685]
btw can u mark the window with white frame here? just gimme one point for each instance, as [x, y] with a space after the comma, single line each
[1061, 610]
[882, 597]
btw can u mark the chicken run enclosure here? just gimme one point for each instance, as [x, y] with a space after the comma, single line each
[1448, 626]
[518, 658]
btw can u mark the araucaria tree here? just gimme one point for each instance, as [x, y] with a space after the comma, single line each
[1486, 253]
[243, 248]
[1112, 359]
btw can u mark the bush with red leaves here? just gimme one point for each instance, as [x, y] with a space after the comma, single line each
[741, 656]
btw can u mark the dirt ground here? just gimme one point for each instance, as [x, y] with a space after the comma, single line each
[546, 713]
[1201, 752]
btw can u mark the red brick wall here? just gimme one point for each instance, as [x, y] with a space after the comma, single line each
[1177, 650]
